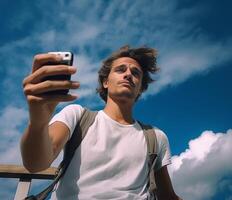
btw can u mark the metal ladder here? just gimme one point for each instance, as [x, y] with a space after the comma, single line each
[25, 178]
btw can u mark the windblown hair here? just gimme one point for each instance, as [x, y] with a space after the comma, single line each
[146, 57]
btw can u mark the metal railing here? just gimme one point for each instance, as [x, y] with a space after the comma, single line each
[24, 177]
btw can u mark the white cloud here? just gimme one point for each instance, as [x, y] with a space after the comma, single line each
[90, 28]
[198, 172]
[93, 27]
[11, 118]
[11, 121]
[184, 49]
[86, 73]
[183, 62]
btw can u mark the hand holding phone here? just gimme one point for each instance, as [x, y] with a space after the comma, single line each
[50, 78]
[48, 85]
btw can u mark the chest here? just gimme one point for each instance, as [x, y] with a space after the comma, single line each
[114, 148]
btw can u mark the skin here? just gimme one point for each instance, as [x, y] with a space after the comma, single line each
[123, 85]
[45, 142]
[39, 140]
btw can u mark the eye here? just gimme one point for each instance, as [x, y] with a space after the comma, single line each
[120, 69]
[136, 73]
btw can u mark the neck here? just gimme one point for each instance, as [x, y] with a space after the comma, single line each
[119, 111]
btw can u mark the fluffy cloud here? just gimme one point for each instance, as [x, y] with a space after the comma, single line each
[184, 50]
[12, 119]
[205, 168]
[92, 30]
[182, 62]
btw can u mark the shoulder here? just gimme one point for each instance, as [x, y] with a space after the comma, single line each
[69, 115]
[73, 108]
[161, 136]
[162, 140]
[164, 153]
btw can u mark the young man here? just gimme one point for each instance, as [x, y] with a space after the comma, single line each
[111, 161]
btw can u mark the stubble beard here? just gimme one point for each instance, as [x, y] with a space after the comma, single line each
[123, 97]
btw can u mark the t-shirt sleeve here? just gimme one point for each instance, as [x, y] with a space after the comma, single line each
[69, 115]
[164, 153]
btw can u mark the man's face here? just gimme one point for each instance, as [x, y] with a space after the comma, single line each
[125, 79]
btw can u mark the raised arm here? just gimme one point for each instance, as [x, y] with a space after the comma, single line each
[40, 143]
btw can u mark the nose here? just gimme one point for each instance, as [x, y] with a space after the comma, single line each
[128, 73]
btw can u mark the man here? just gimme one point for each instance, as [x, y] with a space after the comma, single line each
[111, 161]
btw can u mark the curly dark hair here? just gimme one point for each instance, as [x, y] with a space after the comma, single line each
[146, 57]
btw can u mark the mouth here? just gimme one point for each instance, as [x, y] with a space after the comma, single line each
[127, 83]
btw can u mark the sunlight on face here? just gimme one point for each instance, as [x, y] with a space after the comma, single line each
[125, 78]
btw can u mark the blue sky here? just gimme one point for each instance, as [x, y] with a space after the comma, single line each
[190, 100]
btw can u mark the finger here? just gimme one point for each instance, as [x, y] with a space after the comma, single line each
[60, 98]
[41, 59]
[51, 98]
[45, 71]
[48, 85]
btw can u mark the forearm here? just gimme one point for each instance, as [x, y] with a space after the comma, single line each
[40, 146]
[36, 148]
[164, 186]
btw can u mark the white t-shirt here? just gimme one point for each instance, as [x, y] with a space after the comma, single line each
[111, 162]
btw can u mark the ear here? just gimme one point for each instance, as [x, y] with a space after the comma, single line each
[105, 83]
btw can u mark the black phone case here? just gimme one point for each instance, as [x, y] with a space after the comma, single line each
[59, 77]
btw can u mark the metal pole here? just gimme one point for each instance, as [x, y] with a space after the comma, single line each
[23, 189]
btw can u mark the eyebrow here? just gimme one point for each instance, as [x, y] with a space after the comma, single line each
[118, 66]
[134, 68]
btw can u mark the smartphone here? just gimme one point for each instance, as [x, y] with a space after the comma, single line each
[67, 59]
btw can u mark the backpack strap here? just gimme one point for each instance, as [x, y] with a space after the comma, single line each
[86, 120]
[152, 150]
[79, 133]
